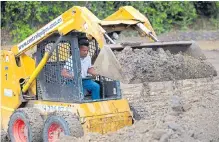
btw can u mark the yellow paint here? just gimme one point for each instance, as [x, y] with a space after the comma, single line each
[28, 65]
[83, 21]
[5, 116]
[117, 22]
[127, 15]
[76, 18]
[36, 72]
[7, 108]
[11, 74]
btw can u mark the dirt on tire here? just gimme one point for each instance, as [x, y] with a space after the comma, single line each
[33, 121]
[73, 122]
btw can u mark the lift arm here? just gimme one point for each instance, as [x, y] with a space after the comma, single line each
[128, 17]
[77, 18]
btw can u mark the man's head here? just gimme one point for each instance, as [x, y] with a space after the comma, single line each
[84, 48]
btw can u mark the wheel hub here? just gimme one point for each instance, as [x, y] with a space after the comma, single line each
[20, 131]
[54, 132]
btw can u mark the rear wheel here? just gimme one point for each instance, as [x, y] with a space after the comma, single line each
[25, 125]
[62, 123]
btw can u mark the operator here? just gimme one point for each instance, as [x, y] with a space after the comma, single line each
[86, 68]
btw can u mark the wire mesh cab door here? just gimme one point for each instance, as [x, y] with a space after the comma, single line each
[51, 84]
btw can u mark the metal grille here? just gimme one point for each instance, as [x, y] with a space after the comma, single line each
[59, 59]
[54, 85]
[93, 50]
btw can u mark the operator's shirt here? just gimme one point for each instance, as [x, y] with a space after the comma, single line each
[85, 65]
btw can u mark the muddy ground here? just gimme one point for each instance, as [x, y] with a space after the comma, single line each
[175, 110]
[172, 110]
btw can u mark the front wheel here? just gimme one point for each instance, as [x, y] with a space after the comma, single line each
[62, 122]
[25, 125]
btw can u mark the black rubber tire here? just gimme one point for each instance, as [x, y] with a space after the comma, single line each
[32, 119]
[68, 122]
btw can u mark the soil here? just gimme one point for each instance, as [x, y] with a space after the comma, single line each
[184, 110]
[147, 65]
[174, 111]
[167, 109]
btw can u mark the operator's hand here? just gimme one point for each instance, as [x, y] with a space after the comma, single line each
[69, 76]
[92, 72]
[66, 74]
[95, 75]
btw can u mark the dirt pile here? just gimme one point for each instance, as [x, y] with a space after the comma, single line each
[147, 65]
[174, 111]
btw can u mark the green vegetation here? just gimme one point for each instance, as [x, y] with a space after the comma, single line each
[24, 18]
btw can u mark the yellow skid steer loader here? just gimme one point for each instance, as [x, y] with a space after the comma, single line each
[38, 103]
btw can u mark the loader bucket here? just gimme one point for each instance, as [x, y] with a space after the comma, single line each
[189, 48]
[107, 65]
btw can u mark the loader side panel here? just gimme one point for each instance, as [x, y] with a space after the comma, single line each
[12, 74]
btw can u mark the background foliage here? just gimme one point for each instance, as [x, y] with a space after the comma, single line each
[24, 18]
